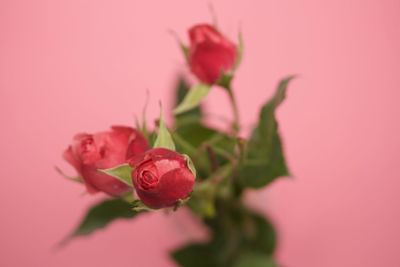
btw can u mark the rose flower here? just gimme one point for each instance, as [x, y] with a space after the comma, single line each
[90, 152]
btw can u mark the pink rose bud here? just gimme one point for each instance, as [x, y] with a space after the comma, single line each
[104, 150]
[161, 178]
[210, 53]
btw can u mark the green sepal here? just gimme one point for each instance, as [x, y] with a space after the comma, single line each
[184, 48]
[137, 205]
[185, 51]
[121, 172]
[225, 80]
[76, 179]
[239, 52]
[143, 126]
[190, 164]
[164, 138]
[181, 202]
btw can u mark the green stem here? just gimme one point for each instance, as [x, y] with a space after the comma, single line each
[232, 99]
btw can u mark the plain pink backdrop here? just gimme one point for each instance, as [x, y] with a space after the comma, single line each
[70, 66]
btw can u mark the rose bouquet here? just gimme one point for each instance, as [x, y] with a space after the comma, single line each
[190, 164]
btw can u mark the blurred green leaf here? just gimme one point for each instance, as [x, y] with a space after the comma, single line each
[238, 225]
[235, 232]
[193, 98]
[193, 115]
[224, 147]
[196, 140]
[196, 255]
[189, 138]
[254, 259]
[259, 234]
[122, 173]
[189, 132]
[264, 160]
[195, 133]
[101, 215]
[202, 200]
[164, 138]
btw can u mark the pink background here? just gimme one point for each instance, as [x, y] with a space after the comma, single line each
[70, 66]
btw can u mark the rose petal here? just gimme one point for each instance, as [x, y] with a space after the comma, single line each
[69, 156]
[97, 181]
[203, 32]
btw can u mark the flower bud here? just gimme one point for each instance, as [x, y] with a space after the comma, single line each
[210, 53]
[161, 178]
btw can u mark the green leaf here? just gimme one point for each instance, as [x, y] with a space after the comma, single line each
[189, 139]
[196, 255]
[202, 201]
[238, 236]
[259, 234]
[193, 139]
[193, 98]
[192, 116]
[164, 138]
[195, 133]
[122, 173]
[224, 147]
[248, 230]
[101, 215]
[254, 259]
[264, 160]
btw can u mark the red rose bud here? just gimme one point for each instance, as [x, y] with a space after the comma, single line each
[210, 53]
[162, 177]
[90, 152]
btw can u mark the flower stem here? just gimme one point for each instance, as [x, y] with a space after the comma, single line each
[232, 99]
